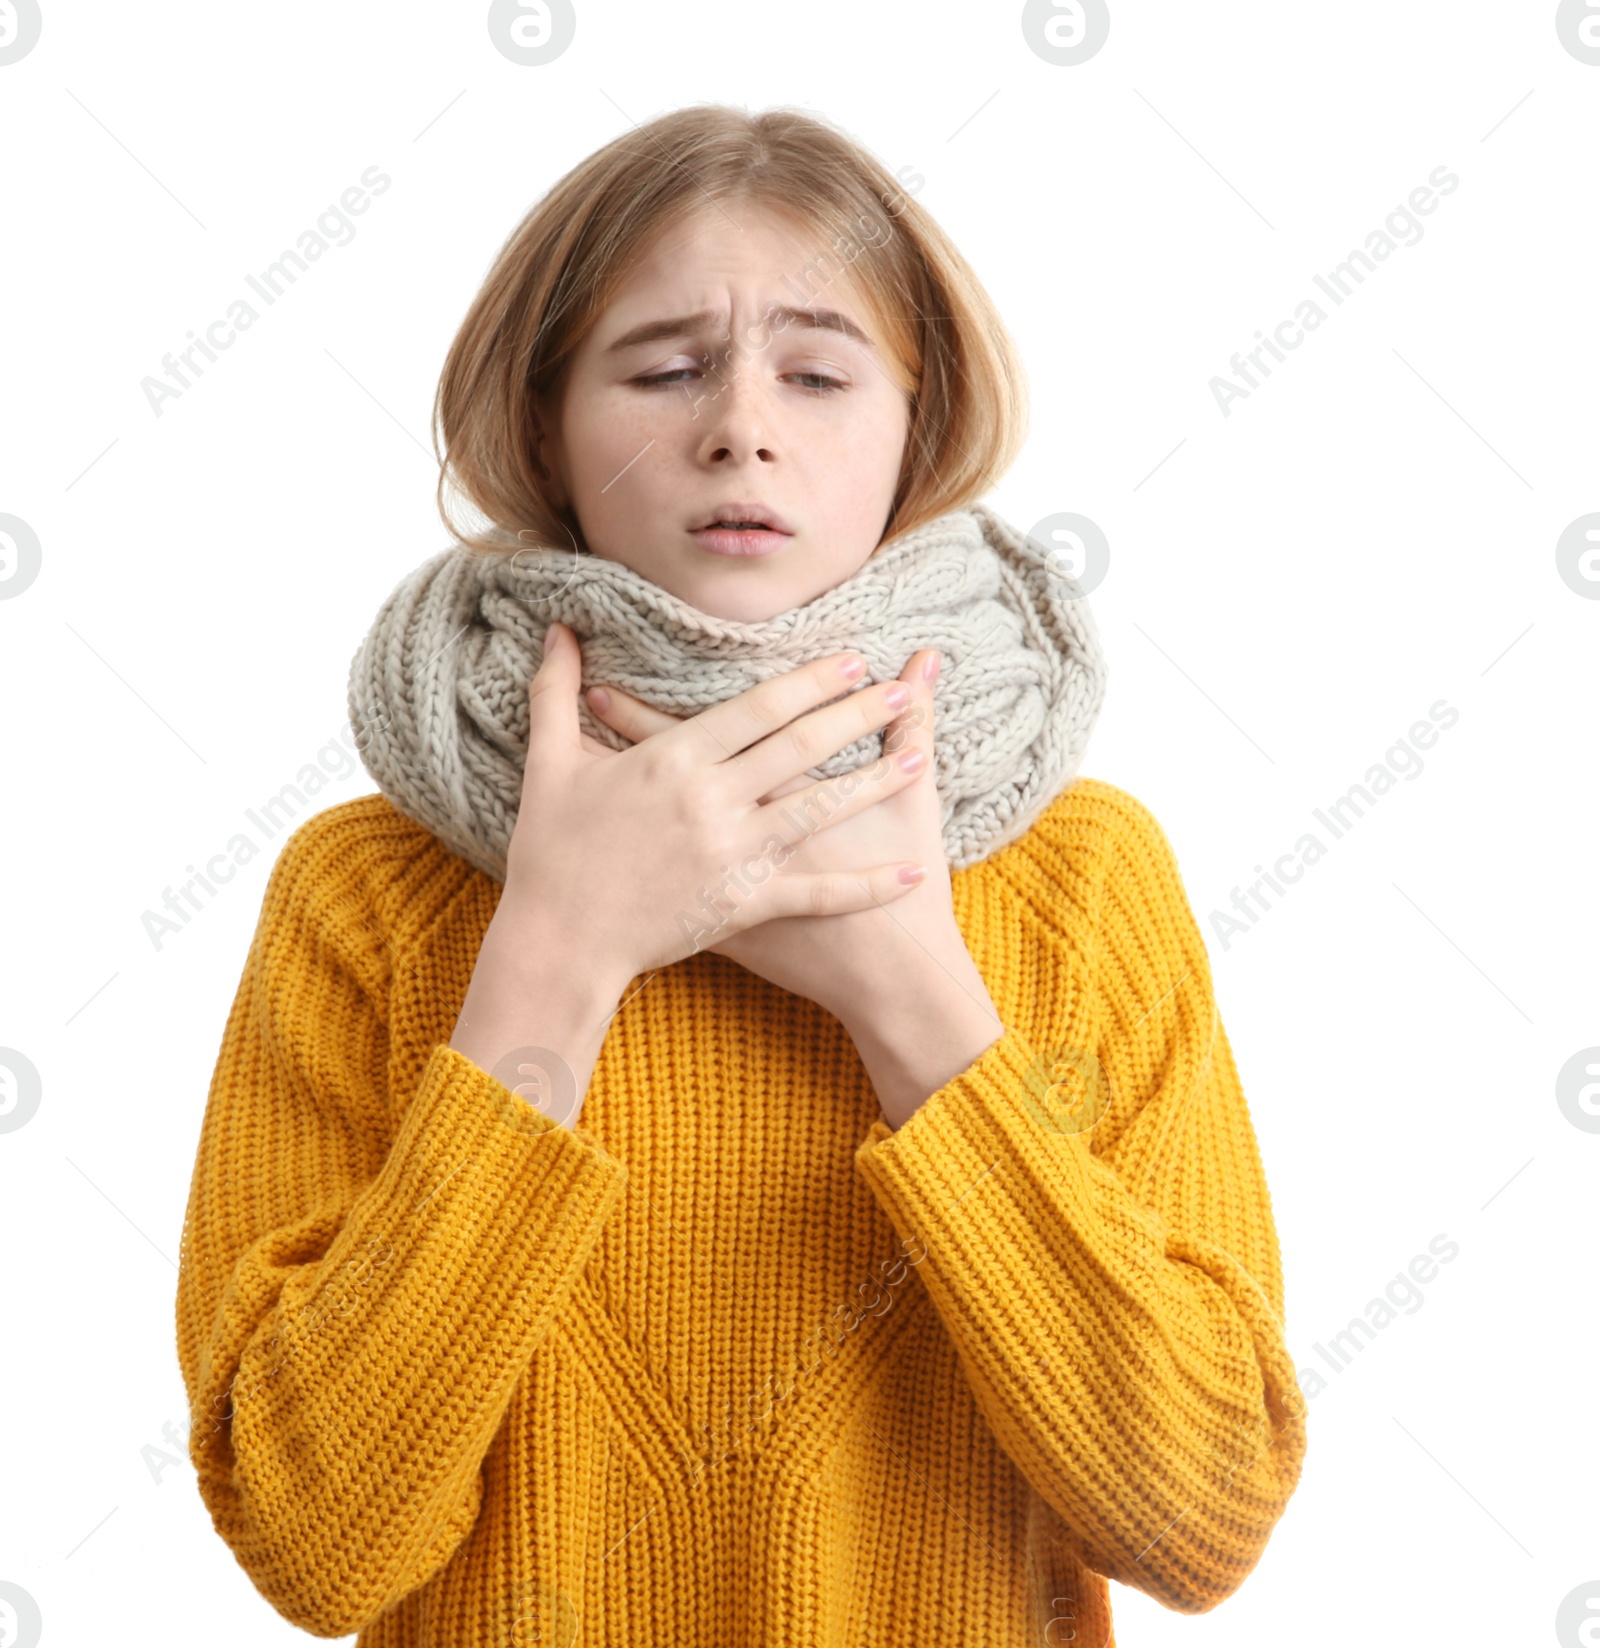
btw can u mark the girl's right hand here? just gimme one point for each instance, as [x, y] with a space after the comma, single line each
[621, 851]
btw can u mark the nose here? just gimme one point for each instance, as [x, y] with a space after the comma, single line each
[734, 415]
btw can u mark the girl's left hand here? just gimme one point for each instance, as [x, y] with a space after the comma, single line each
[837, 961]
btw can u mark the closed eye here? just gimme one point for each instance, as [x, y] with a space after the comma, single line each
[824, 385]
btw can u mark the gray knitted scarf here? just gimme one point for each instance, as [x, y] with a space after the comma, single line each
[438, 692]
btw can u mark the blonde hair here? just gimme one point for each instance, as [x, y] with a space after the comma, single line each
[946, 344]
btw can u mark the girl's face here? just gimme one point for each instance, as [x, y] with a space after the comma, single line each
[693, 398]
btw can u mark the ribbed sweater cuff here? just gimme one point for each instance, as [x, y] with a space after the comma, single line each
[1001, 1100]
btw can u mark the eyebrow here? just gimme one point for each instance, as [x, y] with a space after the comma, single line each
[778, 315]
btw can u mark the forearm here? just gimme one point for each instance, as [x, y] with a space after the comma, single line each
[535, 1015]
[920, 1026]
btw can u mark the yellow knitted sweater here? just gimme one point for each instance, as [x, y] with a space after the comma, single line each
[734, 1364]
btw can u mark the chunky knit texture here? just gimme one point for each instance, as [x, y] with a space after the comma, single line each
[733, 1364]
[438, 689]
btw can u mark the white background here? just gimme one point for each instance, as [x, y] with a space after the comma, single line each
[1291, 586]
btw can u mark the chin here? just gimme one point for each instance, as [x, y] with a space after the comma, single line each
[746, 606]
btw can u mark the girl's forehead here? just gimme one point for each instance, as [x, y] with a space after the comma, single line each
[714, 270]
[764, 265]
[744, 242]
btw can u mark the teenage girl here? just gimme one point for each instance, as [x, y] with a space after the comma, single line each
[890, 1262]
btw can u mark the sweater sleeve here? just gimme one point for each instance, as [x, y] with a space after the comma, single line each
[1101, 1250]
[366, 1273]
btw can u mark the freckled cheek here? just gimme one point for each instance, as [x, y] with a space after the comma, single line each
[861, 460]
[850, 478]
[603, 443]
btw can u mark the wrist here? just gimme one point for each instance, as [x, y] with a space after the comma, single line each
[533, 949]
[535, 1018]
[512, 979]
[916, 1031]
[925, 974]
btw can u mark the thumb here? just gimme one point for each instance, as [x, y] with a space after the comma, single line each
[553, 691]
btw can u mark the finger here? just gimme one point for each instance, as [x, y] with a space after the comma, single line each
[629, 715]
[839, 892]
[826, 801]
[913, 728]
[920, 673]
[788, 788]
[806, 743]
[553, 691]
[721, 732]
